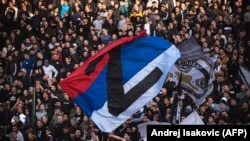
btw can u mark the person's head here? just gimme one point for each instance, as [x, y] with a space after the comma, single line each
[46, 62]
[145, 118]
[26, 55]
[210, 100]
[31, 135]
[1, 69]
[13, 89]
[39, 124]
[72, 134]
[57, 111]
[163, 7]
[104, 31]
[65, 117]
[116, 5]
[78, 133]
[13, 136]
[219, 78]
[48, 131]
[126, 135]
[166, 101]
[45, 119]
[68, 59]
[244, 106]
[86, 119]
[154, 4]
[211, 119]
[223, 105]
[73, 121]
[164, 90]
[114, 37]
[42, 107]
[233, 101]
[243, 88]
[59, 119]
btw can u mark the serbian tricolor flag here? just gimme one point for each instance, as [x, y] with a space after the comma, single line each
[121, 78]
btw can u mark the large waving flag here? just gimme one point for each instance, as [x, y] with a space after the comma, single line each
[195, 70]
[121, 78]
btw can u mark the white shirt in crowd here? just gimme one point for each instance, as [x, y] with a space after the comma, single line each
[50, 70]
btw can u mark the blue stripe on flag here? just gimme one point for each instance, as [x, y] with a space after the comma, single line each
[135, 55]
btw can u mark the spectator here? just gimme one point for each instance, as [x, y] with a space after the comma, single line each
[57, 113]
[105, 37]
[5, 118]
[39, 61]
[123, 8]
[12, 11]
[40, 130]
[15, 134]
[28, 64]
[73, 124]
[233, 111]
[222, 106]
[49, 70]
[58, 128]
[98, 23]
[41, 112]
[64, 8]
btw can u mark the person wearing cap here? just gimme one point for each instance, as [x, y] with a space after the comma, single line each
[221, 106]
[188, 109]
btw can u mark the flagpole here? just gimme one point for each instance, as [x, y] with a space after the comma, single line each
[34, 103]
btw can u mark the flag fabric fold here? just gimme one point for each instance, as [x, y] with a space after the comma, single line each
[143, 127]
[192, 119]
[120, 78]
[196, 70]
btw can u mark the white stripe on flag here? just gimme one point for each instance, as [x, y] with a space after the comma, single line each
[107, 122]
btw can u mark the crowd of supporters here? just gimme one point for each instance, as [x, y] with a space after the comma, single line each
[43, 41]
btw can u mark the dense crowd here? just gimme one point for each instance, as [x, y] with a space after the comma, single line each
[43, 41]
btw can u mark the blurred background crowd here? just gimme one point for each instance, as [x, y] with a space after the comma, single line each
[43, 41]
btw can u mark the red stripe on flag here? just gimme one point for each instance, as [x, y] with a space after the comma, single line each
[79, 81]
